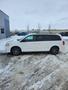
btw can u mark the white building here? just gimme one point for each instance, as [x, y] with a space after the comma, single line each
[4, 25]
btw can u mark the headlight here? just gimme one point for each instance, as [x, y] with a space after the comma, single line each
[7, 44]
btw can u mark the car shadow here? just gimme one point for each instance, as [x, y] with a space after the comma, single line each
[34, 53]
[26, 53]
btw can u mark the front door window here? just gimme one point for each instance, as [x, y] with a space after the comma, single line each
[29, 38]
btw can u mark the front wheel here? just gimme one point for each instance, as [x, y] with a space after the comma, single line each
[15, 51]
[54, 50]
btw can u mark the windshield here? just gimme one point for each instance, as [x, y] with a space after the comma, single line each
[22, 34]
[64, 33]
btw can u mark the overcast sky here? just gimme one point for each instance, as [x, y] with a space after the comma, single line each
[34, 12]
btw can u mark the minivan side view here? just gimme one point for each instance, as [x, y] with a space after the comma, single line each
[36, 43]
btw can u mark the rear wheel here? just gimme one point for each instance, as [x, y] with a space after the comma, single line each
[54, 50]
[15, 51]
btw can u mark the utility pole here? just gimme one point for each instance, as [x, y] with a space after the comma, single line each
[49, 28]
[39, 28]
[28, 28]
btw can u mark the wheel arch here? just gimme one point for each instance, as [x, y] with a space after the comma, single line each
[56, 46]
[15, 47]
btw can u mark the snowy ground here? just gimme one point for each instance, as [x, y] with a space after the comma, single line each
[39, 71]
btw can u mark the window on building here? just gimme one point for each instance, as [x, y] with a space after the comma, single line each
[2, 30]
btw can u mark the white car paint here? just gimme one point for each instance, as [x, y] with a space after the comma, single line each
[33, 46]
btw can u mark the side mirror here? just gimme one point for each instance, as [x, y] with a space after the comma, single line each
[23, 40]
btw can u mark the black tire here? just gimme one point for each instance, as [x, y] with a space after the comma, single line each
[54, 50]
[15, 51]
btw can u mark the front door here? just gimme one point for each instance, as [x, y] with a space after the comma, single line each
[28, 44]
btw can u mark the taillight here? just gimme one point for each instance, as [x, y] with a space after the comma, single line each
[63, 42]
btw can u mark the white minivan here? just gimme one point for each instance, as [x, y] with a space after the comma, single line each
[36, 43]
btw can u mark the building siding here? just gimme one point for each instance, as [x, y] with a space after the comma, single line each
[4, 24]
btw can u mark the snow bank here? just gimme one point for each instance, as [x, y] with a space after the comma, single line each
[34, 72]
[56, 79]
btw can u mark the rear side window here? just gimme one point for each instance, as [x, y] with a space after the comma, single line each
[39, 38]
[54, 37]
[46, 37]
